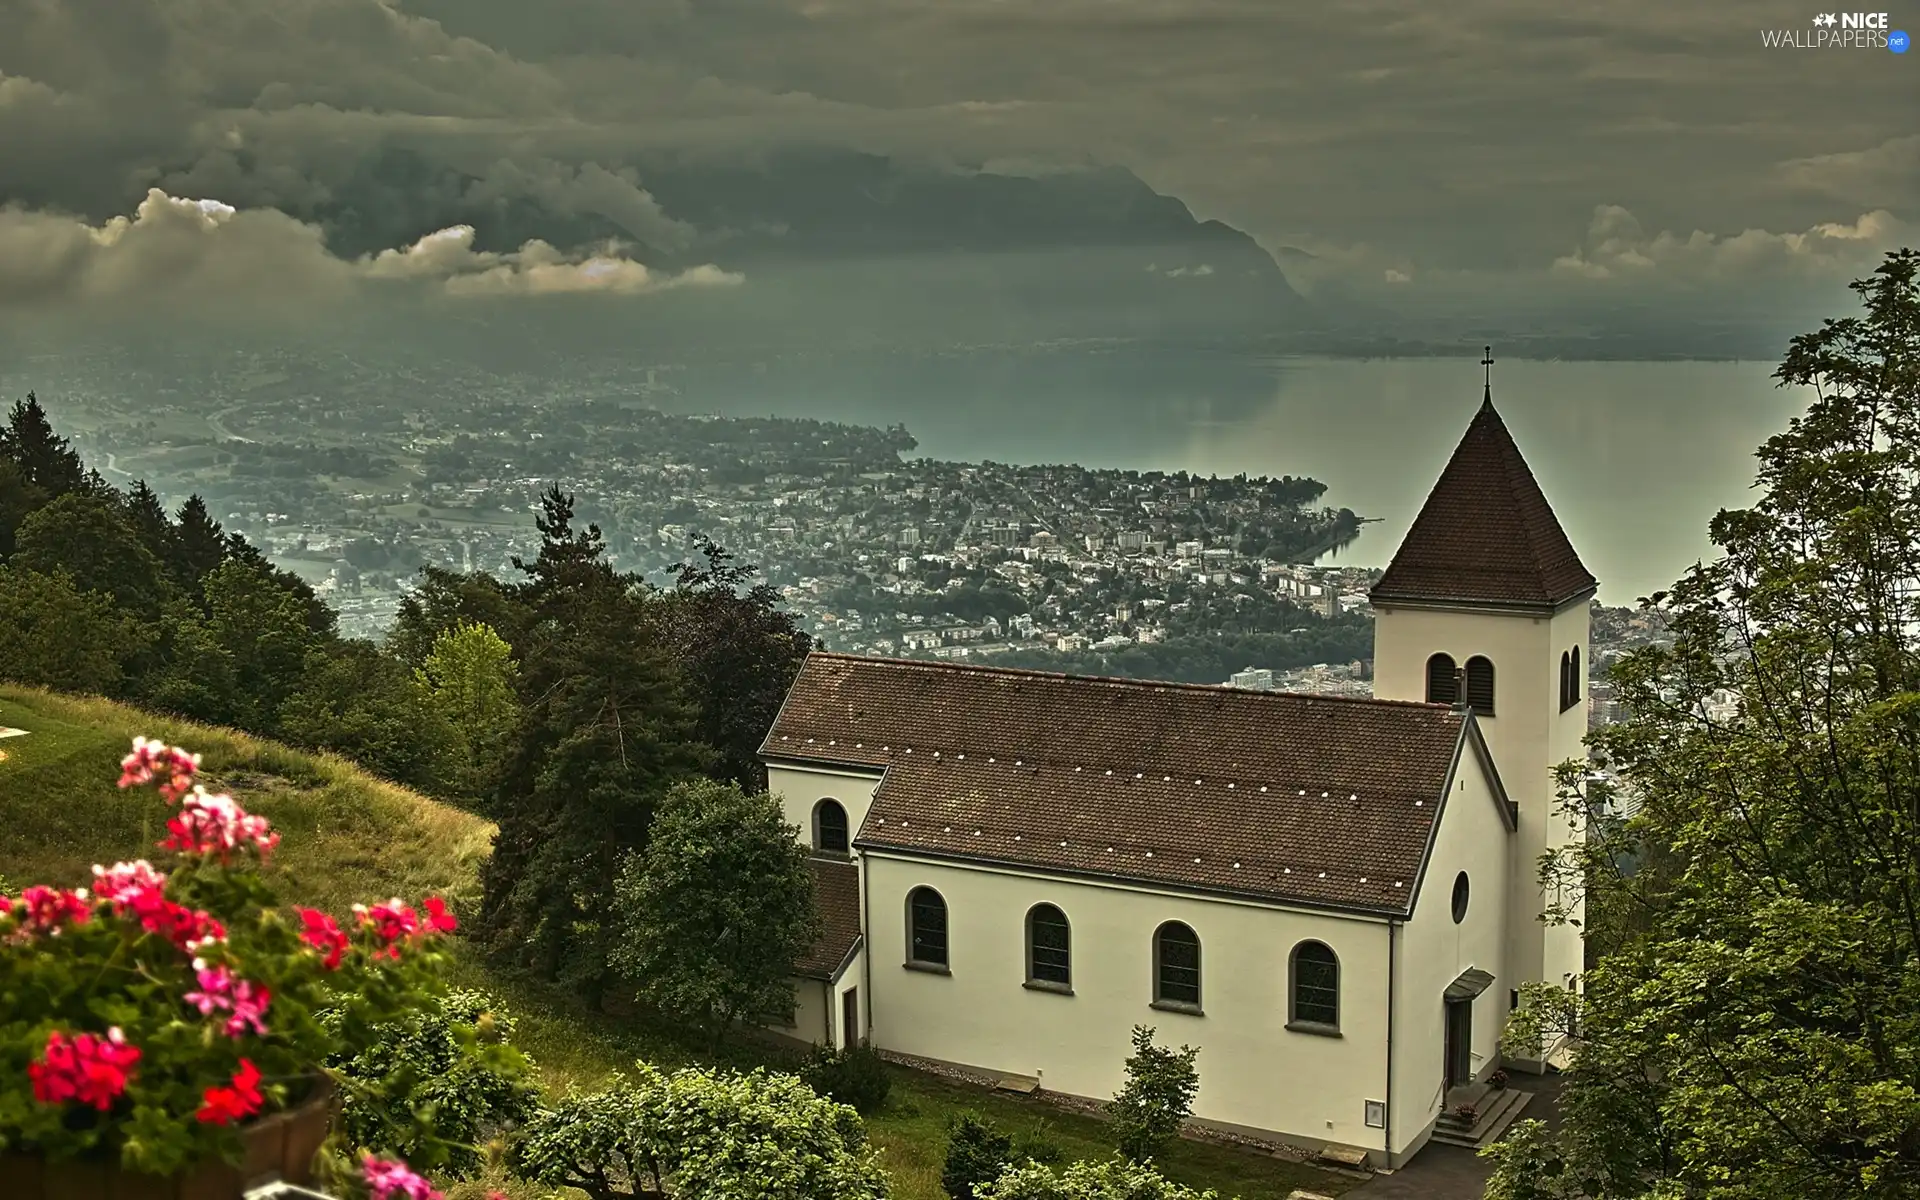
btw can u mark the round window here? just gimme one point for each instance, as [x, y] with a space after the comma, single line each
[1459, 897]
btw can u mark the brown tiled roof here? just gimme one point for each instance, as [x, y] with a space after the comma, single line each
[1486, 533]
[1308, 799]
[836, 898]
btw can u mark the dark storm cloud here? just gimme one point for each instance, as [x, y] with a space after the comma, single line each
[1413, 149]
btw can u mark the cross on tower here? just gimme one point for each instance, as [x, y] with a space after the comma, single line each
[1487, 363]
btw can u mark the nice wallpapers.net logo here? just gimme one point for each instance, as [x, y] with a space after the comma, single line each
[1840, 31]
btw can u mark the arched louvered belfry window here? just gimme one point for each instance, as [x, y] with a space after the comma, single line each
[830, 827]
[1575, 680]
[1442, 685]
[1566, 678]
[1480, 685]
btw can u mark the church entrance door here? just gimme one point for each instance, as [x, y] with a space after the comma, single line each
[1459, 1043]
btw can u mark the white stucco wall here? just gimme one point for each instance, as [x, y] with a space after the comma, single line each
[809, 1012]
[800, 789]
[1253, 1071]
[1564, 951]
[1528, 735]
[854, 977]
[1431, 951]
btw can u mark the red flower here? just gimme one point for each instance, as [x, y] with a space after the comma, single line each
[50, 908]
[152, 760]
[209, 824]
[225, 1105]
[87, 1069]
[393, 922]
[437, 915]
[323, 934]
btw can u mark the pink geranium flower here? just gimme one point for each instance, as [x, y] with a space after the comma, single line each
[210, 824]
[84, 1069]
[152, 760]
[50, 908]
[244, 1001]
[389, 1179]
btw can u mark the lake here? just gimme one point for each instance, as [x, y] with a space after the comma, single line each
[1635, 457]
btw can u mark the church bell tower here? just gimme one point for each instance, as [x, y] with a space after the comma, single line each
[1486, 604]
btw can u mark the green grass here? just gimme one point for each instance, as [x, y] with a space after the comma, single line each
[348, 837]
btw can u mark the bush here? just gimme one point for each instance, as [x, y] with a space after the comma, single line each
[1157, 1098]
[857, 1078]
[1038, 1144]
[1117, 1179]
[978, 1152]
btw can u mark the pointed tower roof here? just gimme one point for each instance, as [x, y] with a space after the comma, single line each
[1486, 534]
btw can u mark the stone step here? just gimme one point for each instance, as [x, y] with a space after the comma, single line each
[1499, 1110]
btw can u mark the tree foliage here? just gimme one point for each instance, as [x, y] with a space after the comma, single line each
[469, 676]
[450, 1079]
[717, 909]
[1157, 1098]
[1750, 1019]
[705, 1136]
[1115, 1179]
[53, 634]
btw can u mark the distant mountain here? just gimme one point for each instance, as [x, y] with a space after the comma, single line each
[875, 247]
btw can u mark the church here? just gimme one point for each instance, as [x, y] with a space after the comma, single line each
[1336, 900]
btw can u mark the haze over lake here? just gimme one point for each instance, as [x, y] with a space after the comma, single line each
[1635, 457]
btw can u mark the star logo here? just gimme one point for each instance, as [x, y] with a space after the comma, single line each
[1825, 19]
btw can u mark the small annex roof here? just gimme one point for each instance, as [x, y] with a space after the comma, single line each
[1313, 800]
[1486, 534]
[836, 900]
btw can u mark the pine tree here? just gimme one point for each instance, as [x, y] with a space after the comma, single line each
[199, 545]
[150, 522]
[567, 560]
[46, 458]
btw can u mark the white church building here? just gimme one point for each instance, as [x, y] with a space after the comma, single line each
[1335, 899]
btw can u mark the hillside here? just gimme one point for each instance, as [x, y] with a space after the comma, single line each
[349, 837]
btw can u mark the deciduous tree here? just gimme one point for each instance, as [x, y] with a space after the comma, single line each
[717, 909]
[1157, 1098]
[1748, 1025]
[57, 636]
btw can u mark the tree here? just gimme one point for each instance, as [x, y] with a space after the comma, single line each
[46, 459]
[18, 499]
[606, 731]
[455, 1065]
[355, 701]
[57, 636]
[199, 546]
[87, 536]
[443, 600]
[148, 517]
[1748, 1022]
[978, 1153]
[1115, 1179]
[192, 673]
[737, 651]
[705, 1135]
[1155, 1102]
[470, 675]
[717, 909]
[263, 629]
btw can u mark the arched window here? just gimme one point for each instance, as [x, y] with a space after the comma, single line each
[1459, 897]
[1574, 683]
[1176, 965]
[830, 827]
[1566, 678]
[1049, 947]
[1314, 999]
[1442, 686]
[1480, 685]
[926, 928]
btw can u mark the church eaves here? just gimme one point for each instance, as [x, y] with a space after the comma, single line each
[1486, 535]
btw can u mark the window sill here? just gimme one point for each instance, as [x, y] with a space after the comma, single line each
[834, 855]
[1047, 985]
[929, 968]
[1315, 1028]
[1178, 1006]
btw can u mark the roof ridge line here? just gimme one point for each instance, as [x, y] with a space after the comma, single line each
[1117, 680]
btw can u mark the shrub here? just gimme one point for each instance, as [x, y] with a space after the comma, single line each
[978, 1152]
[1157, 1098]
[1038, 1144]
[1116, 1179]
[856, 1077]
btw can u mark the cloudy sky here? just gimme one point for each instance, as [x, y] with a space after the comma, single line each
[155, 148]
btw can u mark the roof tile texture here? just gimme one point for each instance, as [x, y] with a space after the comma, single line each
[1307, 799]
[836, 898]
[1486, 534]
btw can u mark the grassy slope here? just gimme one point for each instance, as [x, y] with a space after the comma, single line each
[349, 838]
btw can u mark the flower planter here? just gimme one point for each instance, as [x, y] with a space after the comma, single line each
[279, 1146]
